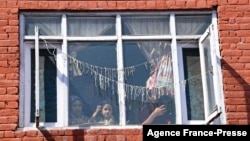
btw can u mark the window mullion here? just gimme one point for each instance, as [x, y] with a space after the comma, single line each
[62, 77]
[37, 86]
[175, 69]
[121, 90]
[203, 71]
[217, 66]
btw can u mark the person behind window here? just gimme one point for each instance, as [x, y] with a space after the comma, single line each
[103, 115]
[77, 116]
[157, 111]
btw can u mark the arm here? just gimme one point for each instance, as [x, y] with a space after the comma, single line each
[95, 114]
[157, 112]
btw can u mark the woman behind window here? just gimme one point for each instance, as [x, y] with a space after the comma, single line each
[77, 116]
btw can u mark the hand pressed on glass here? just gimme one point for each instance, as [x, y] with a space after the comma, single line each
[157, 111]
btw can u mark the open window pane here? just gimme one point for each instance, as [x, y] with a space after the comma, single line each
[205, 50]
[209, 68]
[48, 89]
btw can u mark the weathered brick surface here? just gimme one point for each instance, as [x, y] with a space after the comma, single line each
[234, 39]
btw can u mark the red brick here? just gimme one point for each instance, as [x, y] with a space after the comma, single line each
[6, 127]
[243, 108]
[244, 59]
[3, 23]
[243, 8]
[9, 97]
[151, 4]
[243, 2]
[33, 139]
[229, 26]
[9, 134]
[232, 1]
[12, 90]
[134, 138]
[235, 101]
[191, 3]
[230, 40]
[121, 4]
[28, 4]
[244, 46]
[231, 108]
[232, 53]
[72, 5]
[8, 112]
[131, 5]
[90, 138]
[31, 133]
[91, 4]
[19, 134]
[11, 139]
[4, 64]
[2, 90]
[237, 115]
[11, 105]
[13, 63]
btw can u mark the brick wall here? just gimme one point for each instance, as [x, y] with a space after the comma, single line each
[234, 36]
[234, 27]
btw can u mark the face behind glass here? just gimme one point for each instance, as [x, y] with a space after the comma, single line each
[76, 107]
[107, 110]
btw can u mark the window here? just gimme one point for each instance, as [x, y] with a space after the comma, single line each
[71, 63]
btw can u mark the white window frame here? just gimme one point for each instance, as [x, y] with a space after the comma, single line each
[60, 84]
[210, 33]
[62, 81]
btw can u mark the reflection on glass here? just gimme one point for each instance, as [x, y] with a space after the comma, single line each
[150, 86]
[139, 25]
[92, 78]
[47, 92]
[47, 25]
[91, 26]
[209, 75]
[192, 25]
[76, 116]
[103, 114]
[194, 94]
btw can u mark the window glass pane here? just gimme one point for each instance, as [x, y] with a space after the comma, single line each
[192, 25]
[141, 25]
[47, 25]
[194, 94]
[148, 81]
[209, 75]
[47, 84]
[92, 79]
[91, 26]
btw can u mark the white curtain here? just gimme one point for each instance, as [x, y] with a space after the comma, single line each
[192, 25]
[91, 26]
[47, 25]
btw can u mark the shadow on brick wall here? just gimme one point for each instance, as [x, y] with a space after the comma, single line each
[62, 134]
[240, 115]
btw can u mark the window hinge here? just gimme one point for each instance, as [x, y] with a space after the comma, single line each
[215, 114]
